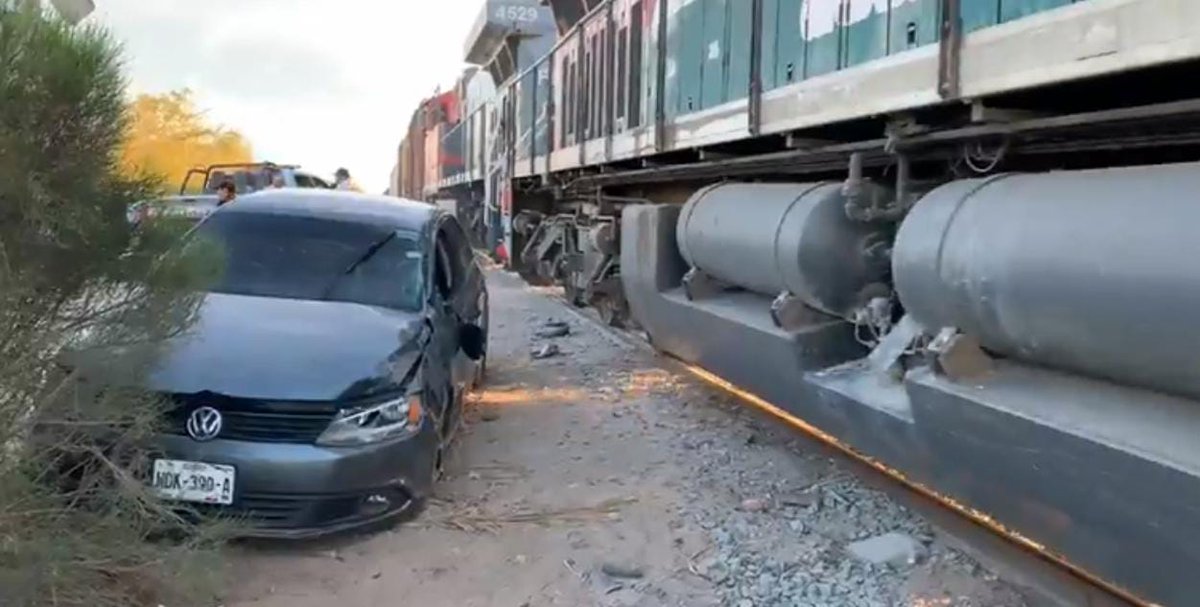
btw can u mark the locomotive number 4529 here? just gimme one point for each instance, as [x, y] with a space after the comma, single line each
[515, 13]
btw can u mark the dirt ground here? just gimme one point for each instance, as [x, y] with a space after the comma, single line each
[595, 477]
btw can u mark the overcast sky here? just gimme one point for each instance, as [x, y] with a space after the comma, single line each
[320, 83]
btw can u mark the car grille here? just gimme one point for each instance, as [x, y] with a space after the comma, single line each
[265, 511]
[255, 420]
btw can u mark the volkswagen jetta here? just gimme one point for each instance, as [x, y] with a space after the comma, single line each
[325, 374]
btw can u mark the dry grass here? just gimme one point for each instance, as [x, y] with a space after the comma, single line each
[474, 518]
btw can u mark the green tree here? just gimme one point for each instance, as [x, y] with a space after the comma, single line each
[76, 280]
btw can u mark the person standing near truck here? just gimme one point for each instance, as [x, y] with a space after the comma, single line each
[345, 182]
[226, 193]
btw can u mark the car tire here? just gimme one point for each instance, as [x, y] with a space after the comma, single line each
[480, 373]
[481, 364]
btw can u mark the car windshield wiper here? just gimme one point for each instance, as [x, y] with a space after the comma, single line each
[371, 251]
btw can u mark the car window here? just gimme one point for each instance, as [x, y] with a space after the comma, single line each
[303, 181]
[246, 180]
[316, 259]
[390, 277]
[457, 240]
[444, 271]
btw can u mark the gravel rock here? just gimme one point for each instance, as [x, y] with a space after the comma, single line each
[754, 505]
[896, 549]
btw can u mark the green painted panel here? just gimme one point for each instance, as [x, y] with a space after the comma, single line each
[866, 31]
[649, 80]
[978, 14]
[914, 23]
[823, 37]
[789, 54]
[741, 24]
[691, 55]
[770, 44]
[713, 49]
[674, 48]
[1015, 9]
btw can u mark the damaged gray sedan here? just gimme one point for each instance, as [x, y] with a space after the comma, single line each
[325, 375]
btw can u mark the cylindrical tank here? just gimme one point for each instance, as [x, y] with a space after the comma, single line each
[1090, 271]
[776, 238]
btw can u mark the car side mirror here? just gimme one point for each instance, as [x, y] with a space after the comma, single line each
[472, 340]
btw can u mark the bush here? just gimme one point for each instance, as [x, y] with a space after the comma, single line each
[75, 522]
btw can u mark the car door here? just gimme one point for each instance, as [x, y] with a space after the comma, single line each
[441, 367]
[468, 294]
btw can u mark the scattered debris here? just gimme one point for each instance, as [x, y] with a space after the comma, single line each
[570, 565]
[545, 351]
[799, 500]
[894, 548]
[622, 570]
[553, 328]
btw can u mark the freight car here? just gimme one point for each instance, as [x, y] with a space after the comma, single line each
[409, 173]
[429, 153]
[444, 147]
[955, 235]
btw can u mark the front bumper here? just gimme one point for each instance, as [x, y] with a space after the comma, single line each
[299, 491]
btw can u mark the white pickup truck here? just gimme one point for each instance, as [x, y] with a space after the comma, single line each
[198, 195]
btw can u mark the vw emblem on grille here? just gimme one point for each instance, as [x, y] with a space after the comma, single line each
[204, 424]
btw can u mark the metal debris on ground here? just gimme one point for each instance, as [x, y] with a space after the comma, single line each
[553, 328]
[545, 351]
[616, 569]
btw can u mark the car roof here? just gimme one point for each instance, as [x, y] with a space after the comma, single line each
[338, 205]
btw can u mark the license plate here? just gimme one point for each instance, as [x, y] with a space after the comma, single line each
[193, 482]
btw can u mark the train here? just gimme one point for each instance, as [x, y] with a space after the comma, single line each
[953, 236]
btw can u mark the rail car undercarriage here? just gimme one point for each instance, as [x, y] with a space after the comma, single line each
[1019, 343]
[581, 253]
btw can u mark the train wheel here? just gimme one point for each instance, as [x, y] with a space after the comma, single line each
[574, 295]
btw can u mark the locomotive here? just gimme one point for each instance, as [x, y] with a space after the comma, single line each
[951, 235]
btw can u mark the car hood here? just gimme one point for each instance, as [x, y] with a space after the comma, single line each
[282, 349]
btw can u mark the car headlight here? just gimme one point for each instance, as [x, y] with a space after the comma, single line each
[374, 423]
